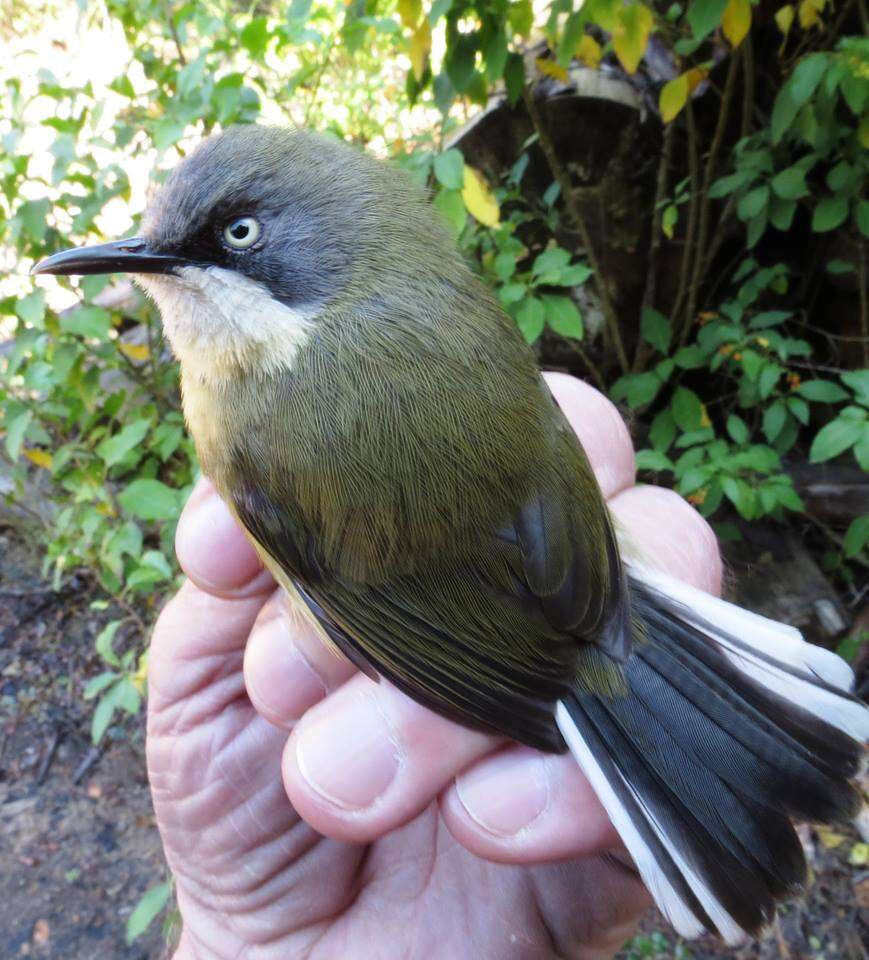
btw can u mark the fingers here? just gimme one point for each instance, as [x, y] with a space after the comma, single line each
[287, 666]
[368, 759]
[601, 431]
[659, 528]
[213, 550]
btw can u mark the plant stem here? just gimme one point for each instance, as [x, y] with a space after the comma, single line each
[705, 203]
[864, 304]
[567, 192]
[693, 204]
[747, 85]
[657, 233]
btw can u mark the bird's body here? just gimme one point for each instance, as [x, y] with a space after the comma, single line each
[379, 427]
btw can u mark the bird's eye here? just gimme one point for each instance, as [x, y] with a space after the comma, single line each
[241, 233]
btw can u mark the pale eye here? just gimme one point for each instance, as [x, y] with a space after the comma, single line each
[241, 233]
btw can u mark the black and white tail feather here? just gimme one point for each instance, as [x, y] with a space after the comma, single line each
[734, 727]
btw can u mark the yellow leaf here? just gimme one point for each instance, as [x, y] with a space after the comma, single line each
[409, 11]
[784, 18]
[859, 855]
[674, 96]
[106, 509]
[631, 34]
[135, 351]
[551, 69]
[704, 417]
[479, 199]
[42, 458]
[420, 46]
[139, 679]
[736, 20]
[696, 76]
[829, 838]
[588, 51]
[809, 13]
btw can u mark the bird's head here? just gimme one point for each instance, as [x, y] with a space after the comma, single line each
[257, 232]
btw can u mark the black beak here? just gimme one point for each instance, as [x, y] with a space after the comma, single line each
[123, 256]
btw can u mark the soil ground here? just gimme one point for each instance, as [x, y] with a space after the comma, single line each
[78, 849]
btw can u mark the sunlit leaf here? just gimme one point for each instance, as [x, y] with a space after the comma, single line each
[674, 96]
[588, 51]
[41, 458]
[410, 11]
[784, 18]
[631, 34]
[479, 199]
[736, 21]
[420, 47]
[135, 351]
[148, 907]
[551, 68]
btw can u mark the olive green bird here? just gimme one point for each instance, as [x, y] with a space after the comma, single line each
[380, 429]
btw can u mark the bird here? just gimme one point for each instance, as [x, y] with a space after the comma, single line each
[381, 430]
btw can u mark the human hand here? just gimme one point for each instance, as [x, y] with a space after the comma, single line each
[423, 839]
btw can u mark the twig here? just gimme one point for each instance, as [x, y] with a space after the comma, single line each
[48, 757]
[705, 203]
[693, 204]
[657, 233]
[593, 371]
[567, 192]
[864, 304]
[87, 764]
[173, 30]
[747, 85]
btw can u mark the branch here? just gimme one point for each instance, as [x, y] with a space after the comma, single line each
[657, 233]
[864, 304]
[567, 192]
[705, 203]
[693, 204]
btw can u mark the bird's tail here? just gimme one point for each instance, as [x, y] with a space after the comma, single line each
[731, 727]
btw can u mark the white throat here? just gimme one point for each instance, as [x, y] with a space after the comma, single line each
[220, 322]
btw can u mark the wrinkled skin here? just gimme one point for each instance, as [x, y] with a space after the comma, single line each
[307, 812]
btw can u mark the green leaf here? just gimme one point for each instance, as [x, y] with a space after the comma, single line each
[149, 500]
[858, 381]
[449, 168]
[549, 265]
[96, 685]
[113, 449]
[704, 16]
[830, 213]
[726, 185]
[255, 36]
[687, 409]
[807, 74]
[690, 358]
[514, 78]
[835, 438]
[740, 494]
[653, 460]
[737, 429]
[656, 329]
[839, 267]
[821, 391]
[452, 207]
[89, 322]
[863, 217]
[753, 203]
[856, 536]
[637, 388]
[768, 378]
[774, 418]
[147, 909]
[103, 714]
[781, 213]
[575, 275]
[790, 184]
[531, 318]
[663, 431]
[16, 424]
[563, 316]
[861, 449]
[103, 643]
[31, 309]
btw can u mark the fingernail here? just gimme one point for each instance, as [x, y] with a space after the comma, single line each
[285, 683]
[351, 756]
[211, 547]
[506, 793]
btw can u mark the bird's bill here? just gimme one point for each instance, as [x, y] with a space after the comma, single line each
[132, 255]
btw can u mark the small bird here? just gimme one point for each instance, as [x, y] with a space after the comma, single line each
[379, 427]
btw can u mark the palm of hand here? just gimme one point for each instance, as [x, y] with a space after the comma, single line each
[408, 871]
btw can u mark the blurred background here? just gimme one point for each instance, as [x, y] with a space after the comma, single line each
[670, 199]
